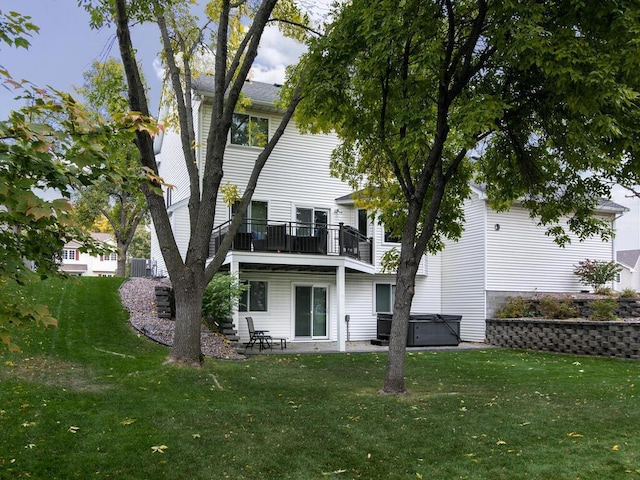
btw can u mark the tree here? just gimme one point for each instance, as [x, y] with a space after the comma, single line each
[596, 273]
[236, 30]
[535, 100]
[120, 202]
[140, 246]
[48, 144]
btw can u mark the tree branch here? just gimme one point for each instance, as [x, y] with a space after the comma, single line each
[296, 24]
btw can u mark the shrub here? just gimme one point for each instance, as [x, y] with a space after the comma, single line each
[603, 310]
[557, 308]
[220, 298]
[608, 291]
[596, 273]
[628, 293]
[515, 307]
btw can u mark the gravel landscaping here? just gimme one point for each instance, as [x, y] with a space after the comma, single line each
[138, 297]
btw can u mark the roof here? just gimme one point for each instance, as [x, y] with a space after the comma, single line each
[628, 258]
[97, 236]
[346, 199]
[604, 205]
[258, 92]
[102, 237]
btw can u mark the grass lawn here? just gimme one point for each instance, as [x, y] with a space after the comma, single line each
[92, 400]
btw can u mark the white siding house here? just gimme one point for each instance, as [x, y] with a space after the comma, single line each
[75, 262]
[629, 276]
[503, 254]
[312, 259]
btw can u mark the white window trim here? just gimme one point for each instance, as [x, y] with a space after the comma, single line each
[375, 296]
[240, 145]
[248, 310]
[384, 242]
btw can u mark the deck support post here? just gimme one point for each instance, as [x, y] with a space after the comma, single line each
[340, 294]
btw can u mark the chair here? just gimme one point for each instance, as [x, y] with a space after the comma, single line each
[257, 336]
[262, 338]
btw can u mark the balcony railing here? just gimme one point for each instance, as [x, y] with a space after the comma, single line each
[296, 237]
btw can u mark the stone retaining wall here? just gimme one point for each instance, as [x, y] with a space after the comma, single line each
[610, 339]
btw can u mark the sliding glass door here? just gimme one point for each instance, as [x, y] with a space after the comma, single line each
[311, 319]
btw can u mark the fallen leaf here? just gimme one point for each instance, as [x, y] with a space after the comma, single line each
[73, 429]
[615, 448]
[127, 421]
[501, 442]
[574, 435]
[158, 448]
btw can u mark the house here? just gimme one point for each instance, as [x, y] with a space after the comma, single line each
[312, 259]
[75, 262]
[629, 276]
[503, 254]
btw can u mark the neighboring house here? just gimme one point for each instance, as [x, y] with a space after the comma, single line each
[508, 254]
[75, 262]
[629, 276]
[312, 260]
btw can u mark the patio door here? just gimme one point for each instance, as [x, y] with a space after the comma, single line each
[311, 319]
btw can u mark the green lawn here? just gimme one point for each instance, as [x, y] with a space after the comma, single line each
[91, 399]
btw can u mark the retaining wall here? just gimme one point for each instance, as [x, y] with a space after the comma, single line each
[610, 339]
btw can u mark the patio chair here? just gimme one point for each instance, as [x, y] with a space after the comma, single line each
[261, 337]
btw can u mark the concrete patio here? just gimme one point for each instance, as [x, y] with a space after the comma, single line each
[294, 348]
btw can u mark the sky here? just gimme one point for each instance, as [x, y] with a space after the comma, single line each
[66, 46]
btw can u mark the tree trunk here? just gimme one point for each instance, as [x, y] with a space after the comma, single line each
[122, 261]
[186, 347]
[405, 290]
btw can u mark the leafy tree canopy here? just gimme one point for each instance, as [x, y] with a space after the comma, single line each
[536, 101]
[544, 94]
[51, 144]
[115, 196]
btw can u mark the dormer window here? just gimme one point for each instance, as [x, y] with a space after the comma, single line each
[249, 130]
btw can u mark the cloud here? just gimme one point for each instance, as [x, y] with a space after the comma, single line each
[275, 54]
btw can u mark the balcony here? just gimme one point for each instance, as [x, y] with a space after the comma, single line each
[295, 237]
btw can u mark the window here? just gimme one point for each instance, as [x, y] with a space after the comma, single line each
[385, 297]
[254, 299]
[255, 220]
[310, 217]
[169, 199]
[68, 254]
[362, 222]
[389, 237]
[617, 277]
[249, 130]
[109, 257]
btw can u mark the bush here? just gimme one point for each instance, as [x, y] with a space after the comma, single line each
[515, 307]
[608, 291]
[557, 308]
[596, 272]
[603, 310]
[628, 293]
[220, 298]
